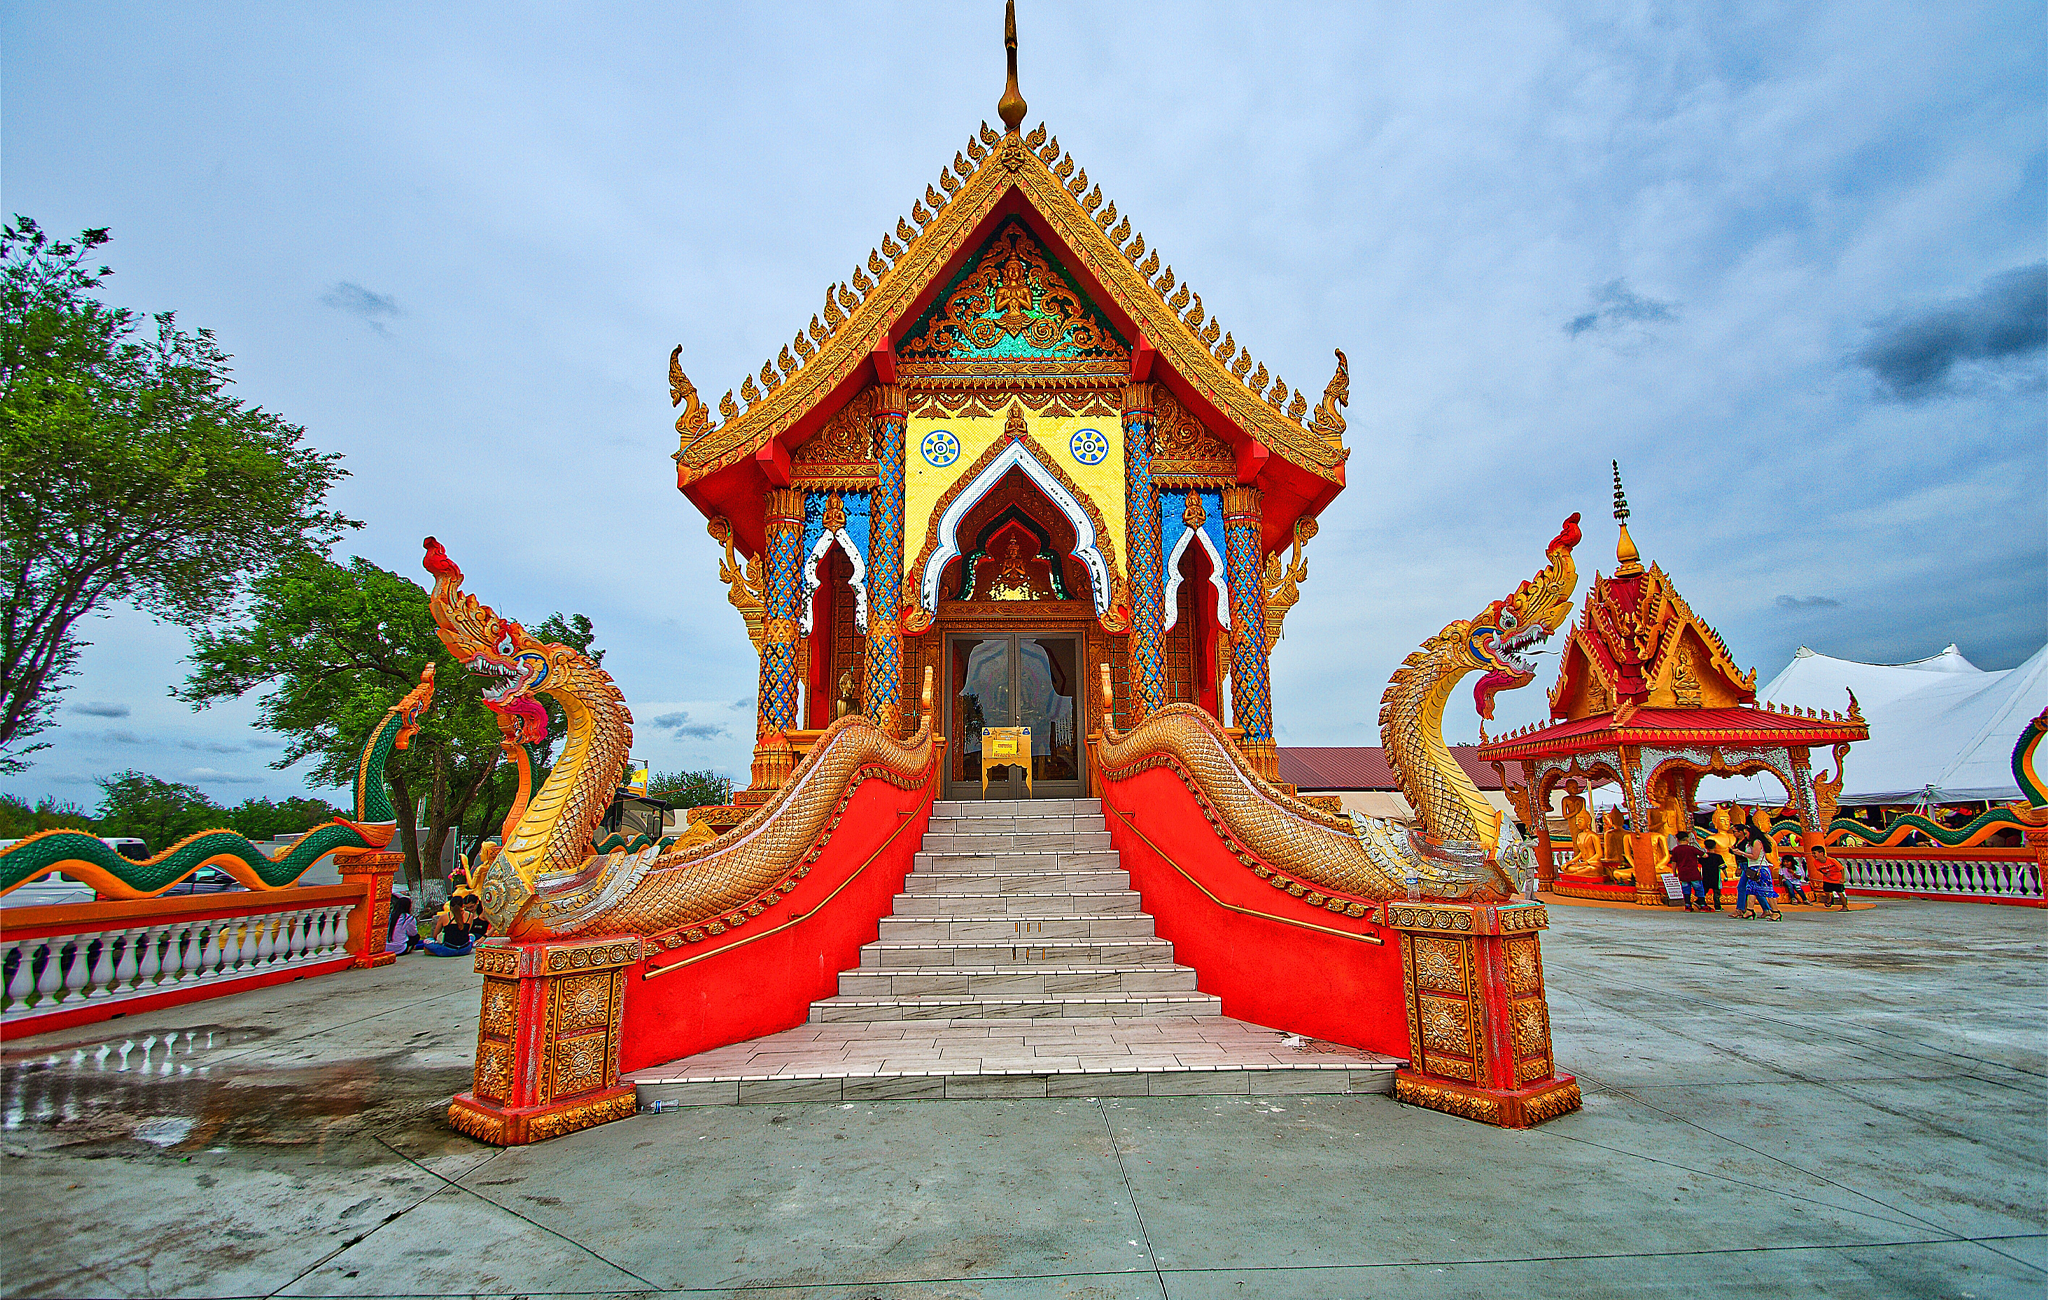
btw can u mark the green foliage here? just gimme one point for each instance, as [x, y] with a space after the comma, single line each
[337, 645]
[260, 819]
[690, 789]
[128, 471]
[18, 819]
[153, 810]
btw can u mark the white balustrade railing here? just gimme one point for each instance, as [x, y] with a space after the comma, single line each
[140, 957]
[1963, 873]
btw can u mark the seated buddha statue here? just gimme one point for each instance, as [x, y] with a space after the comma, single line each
[1585, 840]
[1614, 863]
[1017, 576]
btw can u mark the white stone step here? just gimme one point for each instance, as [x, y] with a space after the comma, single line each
[1015, 980]
[1014, 929]
[1122, 953]
[1029, 1006]
[1149, 1056]
[938, 841]
[1015, 860]
[1013, 807]
[1098, 903]
[1016, 882]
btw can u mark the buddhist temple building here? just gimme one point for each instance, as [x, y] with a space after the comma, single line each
[1649, 698]
[1014, 445]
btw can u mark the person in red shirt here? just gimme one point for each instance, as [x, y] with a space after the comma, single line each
[1685, 864]
[1829, 872]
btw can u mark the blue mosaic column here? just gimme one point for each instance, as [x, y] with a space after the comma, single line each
[1142, 554]
[883, 680]
[776, 707]
[1244, 556]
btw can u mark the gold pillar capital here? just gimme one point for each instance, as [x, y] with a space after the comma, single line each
[784, 505]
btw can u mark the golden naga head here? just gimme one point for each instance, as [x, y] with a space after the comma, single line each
[518, 666]
[1494, 641]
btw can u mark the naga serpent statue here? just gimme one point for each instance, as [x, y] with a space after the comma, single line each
[86, 858]
[545, 882]
[1368, 858]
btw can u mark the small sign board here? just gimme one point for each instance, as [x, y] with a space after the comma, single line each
[1672, 888]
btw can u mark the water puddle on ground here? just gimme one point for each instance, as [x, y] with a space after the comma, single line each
[183, 1090]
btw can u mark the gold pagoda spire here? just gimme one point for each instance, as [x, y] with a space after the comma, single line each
[1630, 563]
[1011, 106]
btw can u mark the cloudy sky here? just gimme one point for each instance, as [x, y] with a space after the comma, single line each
[1783, 262]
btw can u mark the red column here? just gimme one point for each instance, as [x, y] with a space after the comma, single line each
[370, 870]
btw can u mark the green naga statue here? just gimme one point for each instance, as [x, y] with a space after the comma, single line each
[87, 859]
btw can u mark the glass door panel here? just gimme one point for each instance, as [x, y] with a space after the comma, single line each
[1014, 681]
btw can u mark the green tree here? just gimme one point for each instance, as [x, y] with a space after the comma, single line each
[337, 645]
[260, 819]
[153, 810]
[690, 789]
[128, 471]
[19, 819]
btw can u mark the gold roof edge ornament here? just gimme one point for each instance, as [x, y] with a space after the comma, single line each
[859, 312]
[1011, 107]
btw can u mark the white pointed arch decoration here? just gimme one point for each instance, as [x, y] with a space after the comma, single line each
[1178, 537]
[1016, 455]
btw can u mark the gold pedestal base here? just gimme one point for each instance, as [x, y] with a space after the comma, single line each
[1514, 1108]
[514, 1126]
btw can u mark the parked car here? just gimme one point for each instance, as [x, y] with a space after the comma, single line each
[206, 880]
[48, 891]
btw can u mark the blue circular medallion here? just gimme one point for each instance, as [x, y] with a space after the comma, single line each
[940, 448]
[1089, 446]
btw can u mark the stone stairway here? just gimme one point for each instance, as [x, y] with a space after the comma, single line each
[1016, 963]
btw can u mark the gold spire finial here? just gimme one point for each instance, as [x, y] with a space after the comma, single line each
[1630, 563]
[1011, 106]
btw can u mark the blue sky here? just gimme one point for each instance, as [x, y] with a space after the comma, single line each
[1783, 262]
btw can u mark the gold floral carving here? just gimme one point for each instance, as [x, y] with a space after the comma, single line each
[588, 1115]
[1451, 1101]
[1532, 1031]
[1440, 964]
[582, 1002]
[1283, 580]
[742, 578]
[1525, 968]
[1558, 1101]
[839, 455]
[1183, 448]
[958, 399]
[1446, 1030]
[580, 1063]
[493, 1077]
[500, 1013]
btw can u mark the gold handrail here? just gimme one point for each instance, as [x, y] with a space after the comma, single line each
[1131, 821]
[908, 818]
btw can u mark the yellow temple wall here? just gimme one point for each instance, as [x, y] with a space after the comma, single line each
[1052, 441]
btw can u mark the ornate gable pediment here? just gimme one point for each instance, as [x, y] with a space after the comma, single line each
[1011, 307]
[1637, 640]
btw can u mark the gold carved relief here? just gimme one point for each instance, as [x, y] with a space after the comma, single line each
[582, 1002]
[1525, 969]
[493, 1078]
[1440, 964]
[580, 1063]
[1446, 1027]
[500, 1014]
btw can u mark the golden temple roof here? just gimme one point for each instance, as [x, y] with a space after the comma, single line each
[1638, 644]
[900, 275]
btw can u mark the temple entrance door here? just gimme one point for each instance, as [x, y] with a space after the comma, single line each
[1014, 679]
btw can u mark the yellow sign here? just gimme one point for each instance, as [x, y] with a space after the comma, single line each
[636, 782]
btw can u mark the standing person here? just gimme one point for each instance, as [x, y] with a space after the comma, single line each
[1685, 864]
[1756, 879]
[1828, 871]
[1712, 866]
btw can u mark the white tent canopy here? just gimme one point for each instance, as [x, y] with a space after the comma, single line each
[1940, 722]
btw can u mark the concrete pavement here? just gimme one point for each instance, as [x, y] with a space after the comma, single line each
[1833, 1105]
